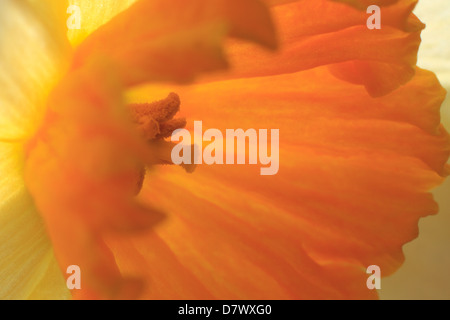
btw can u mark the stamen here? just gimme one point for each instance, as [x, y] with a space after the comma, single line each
[155, 122]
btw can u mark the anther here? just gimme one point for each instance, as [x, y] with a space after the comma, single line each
[155, 122]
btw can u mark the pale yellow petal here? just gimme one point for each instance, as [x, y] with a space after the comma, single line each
[26, 254]
[51, 282]
[33, 50]
[434, 53]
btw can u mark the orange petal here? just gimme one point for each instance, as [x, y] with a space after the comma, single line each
[363, 4]
[380, 78]
[354, 177]
[313, 34]
[175, 40]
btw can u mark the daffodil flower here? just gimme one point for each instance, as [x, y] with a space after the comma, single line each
[85, 114]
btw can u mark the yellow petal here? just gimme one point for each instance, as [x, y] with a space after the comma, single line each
[33, 48]
[25, 252]
[94, 14]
